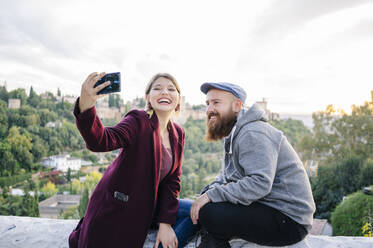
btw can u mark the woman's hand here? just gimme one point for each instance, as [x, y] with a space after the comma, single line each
[166, 236]
[197, 205]
[88, 95]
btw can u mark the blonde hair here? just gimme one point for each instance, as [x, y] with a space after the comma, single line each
[150, 85]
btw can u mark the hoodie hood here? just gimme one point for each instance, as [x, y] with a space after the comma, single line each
[254, 113]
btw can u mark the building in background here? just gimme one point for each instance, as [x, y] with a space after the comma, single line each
[271, 116]
[69, 99]
[14, 103]
[55, 205]
[311, 167]
[62, 162]
[188, 111]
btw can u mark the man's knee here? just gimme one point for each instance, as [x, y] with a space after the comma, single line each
[205, 214]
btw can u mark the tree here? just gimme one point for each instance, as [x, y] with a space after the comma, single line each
[47, 116]
[294, 130]
[351, 214]
[117, 100]
[334, 181]
[33, 99]
[58, 92]
[68, 178]
[49, 189]
[337, 135]
[3, 119]
[4, 95]
[91, 180]
[21, 147]
[29, 206]
[367, 173]
[111, 100]
[70, 213]
[39, 148]
[83, 203]
[76, 186]
[36, 203]
[8, 165]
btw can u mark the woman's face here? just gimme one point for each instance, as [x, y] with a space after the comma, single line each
[163, 95]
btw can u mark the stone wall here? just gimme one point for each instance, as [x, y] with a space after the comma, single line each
[26, 232]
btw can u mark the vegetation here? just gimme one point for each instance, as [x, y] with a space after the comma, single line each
[202, 160]
[352, 214]
[25, 136]
[343, 146]
[26, 205]
[8, 181]
[294, 130]
[83, 203]
[70, 213]
[337, 135]
[49, 189]
[336, 180]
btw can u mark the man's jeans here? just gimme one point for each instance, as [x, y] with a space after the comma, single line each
[184, 228]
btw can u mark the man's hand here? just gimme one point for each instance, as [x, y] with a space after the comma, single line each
[166, 236]
[197, 205]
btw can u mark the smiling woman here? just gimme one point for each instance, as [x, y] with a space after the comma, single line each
[139, 189]
[163, 89]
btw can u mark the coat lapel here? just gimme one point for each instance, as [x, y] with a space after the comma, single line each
[157, 146]
[157, 151]
[174, 142]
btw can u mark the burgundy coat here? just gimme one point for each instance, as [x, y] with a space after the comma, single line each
[109, 222]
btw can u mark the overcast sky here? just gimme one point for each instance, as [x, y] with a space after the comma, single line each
[300, 55]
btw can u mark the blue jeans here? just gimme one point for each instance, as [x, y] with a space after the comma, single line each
[184, 227]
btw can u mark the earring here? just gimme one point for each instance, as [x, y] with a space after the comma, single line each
[177, 108]
[149, 106]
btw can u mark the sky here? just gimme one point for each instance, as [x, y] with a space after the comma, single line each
[300, 55]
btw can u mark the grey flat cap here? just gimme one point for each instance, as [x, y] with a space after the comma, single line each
[232, 88]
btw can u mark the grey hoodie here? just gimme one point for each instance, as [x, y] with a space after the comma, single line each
[261, 165]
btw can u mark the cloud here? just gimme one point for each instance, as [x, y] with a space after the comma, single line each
[283, 50]
[37, 27]
[286, 16]
[284, 19]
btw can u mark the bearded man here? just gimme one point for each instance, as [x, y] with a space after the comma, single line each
[262, 193]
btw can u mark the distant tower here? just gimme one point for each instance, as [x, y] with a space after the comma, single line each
[263, 104]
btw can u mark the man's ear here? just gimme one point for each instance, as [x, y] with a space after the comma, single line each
[237, 105]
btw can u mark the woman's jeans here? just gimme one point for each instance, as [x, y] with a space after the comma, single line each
[184, 228]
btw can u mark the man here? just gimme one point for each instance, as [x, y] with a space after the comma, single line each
[262, 194]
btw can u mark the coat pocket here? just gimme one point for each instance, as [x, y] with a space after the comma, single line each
[117, 198]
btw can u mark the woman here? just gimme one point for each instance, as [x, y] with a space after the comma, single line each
[141, 186]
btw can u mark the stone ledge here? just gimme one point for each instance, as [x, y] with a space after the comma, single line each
[40, 232]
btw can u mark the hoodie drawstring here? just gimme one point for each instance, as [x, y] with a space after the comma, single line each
[232, 134]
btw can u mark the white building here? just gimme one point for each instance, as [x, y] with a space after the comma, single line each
[14, 103]
[55, 124]
[62, 162]
[70, 99]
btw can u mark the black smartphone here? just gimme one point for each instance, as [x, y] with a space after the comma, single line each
[114, 86]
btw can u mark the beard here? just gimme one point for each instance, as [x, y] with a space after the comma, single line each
[221, 127]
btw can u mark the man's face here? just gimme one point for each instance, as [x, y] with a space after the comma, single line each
[222, 110]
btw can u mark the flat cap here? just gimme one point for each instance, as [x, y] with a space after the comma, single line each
[232, 88]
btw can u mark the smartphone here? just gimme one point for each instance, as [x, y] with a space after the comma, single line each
[114, 86]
